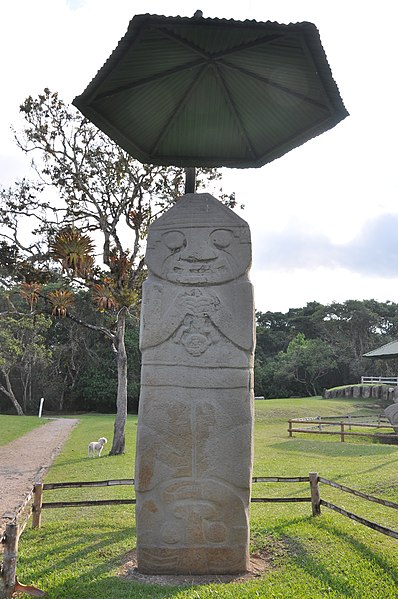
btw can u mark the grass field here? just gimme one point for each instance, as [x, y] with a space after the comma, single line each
[78, 552]
[12, 427]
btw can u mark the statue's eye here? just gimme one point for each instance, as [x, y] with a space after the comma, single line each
[221, 238]
[174, 240]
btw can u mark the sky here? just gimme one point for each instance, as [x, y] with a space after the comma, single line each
[324, 217]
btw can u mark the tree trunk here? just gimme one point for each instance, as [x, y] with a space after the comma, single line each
[118, 444]
[10, 393]
[26, 380]
[61, 399]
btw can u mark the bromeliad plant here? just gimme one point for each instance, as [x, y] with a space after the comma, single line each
[30, 292]
[61, 300]
[115, 292]
[74, 251]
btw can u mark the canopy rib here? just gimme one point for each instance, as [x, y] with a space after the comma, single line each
[258, 42]
[232, 106]
[183, 41]
[177, 110]
[278, 86]
[151, 79]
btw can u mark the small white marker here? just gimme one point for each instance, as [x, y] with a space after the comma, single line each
[41, 406]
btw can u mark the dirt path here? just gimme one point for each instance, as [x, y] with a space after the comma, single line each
[25, 460]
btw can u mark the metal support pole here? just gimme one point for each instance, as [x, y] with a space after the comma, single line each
[190, 180]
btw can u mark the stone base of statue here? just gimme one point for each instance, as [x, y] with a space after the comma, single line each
[194, 438]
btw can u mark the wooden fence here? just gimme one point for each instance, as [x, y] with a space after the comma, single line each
[34, 505]
[345, 428]
[9, 583]
[314, 497]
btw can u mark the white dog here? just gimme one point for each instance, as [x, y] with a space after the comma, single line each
[96, 446]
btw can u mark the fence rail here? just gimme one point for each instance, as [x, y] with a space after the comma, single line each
[384, 502]
[383, 529]
[313, 479]
[34, 504]
[92, 483]
[343, 432]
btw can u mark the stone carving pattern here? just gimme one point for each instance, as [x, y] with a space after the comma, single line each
[194, 441]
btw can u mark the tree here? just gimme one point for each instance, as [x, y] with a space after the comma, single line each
[103, 192]
[21, 348]
[350, 329]
[96, 388]
[306, 361]
[71, 351]
[355, 327]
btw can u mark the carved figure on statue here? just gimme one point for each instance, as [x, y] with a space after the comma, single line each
[194, 440]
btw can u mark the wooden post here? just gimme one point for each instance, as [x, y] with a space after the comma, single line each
[342, 432]
[315, 496]
[319, 425]
[290, 429]
[37, 503]
[9, 561]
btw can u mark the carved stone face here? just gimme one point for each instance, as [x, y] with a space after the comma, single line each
[199, 255]
[199, 242]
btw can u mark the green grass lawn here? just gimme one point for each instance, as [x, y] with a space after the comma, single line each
[12, 427]
[78, 551]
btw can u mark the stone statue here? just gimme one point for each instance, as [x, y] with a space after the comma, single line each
[392, 414]
[194, 439]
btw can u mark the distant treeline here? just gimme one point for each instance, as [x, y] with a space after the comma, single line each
[305, 350]
[298, 353]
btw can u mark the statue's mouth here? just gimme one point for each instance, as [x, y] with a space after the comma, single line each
[194, 269]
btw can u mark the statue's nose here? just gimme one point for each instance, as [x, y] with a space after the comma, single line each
[197, 251]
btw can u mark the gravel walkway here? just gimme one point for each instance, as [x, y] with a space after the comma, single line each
[25, 460]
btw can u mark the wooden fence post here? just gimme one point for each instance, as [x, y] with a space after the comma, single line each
[319, 425]
[10, 560]
[342, 432]
[290, 429]
[37, 503]
[315, 496]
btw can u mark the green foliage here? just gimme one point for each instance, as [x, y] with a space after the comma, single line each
[72, 367]
[22, 348]
[336, 337]
[305, 361]
[96, 387]
[79, 552]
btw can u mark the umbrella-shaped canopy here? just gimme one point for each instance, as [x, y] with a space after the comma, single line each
[389, 350]
[213, 92]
